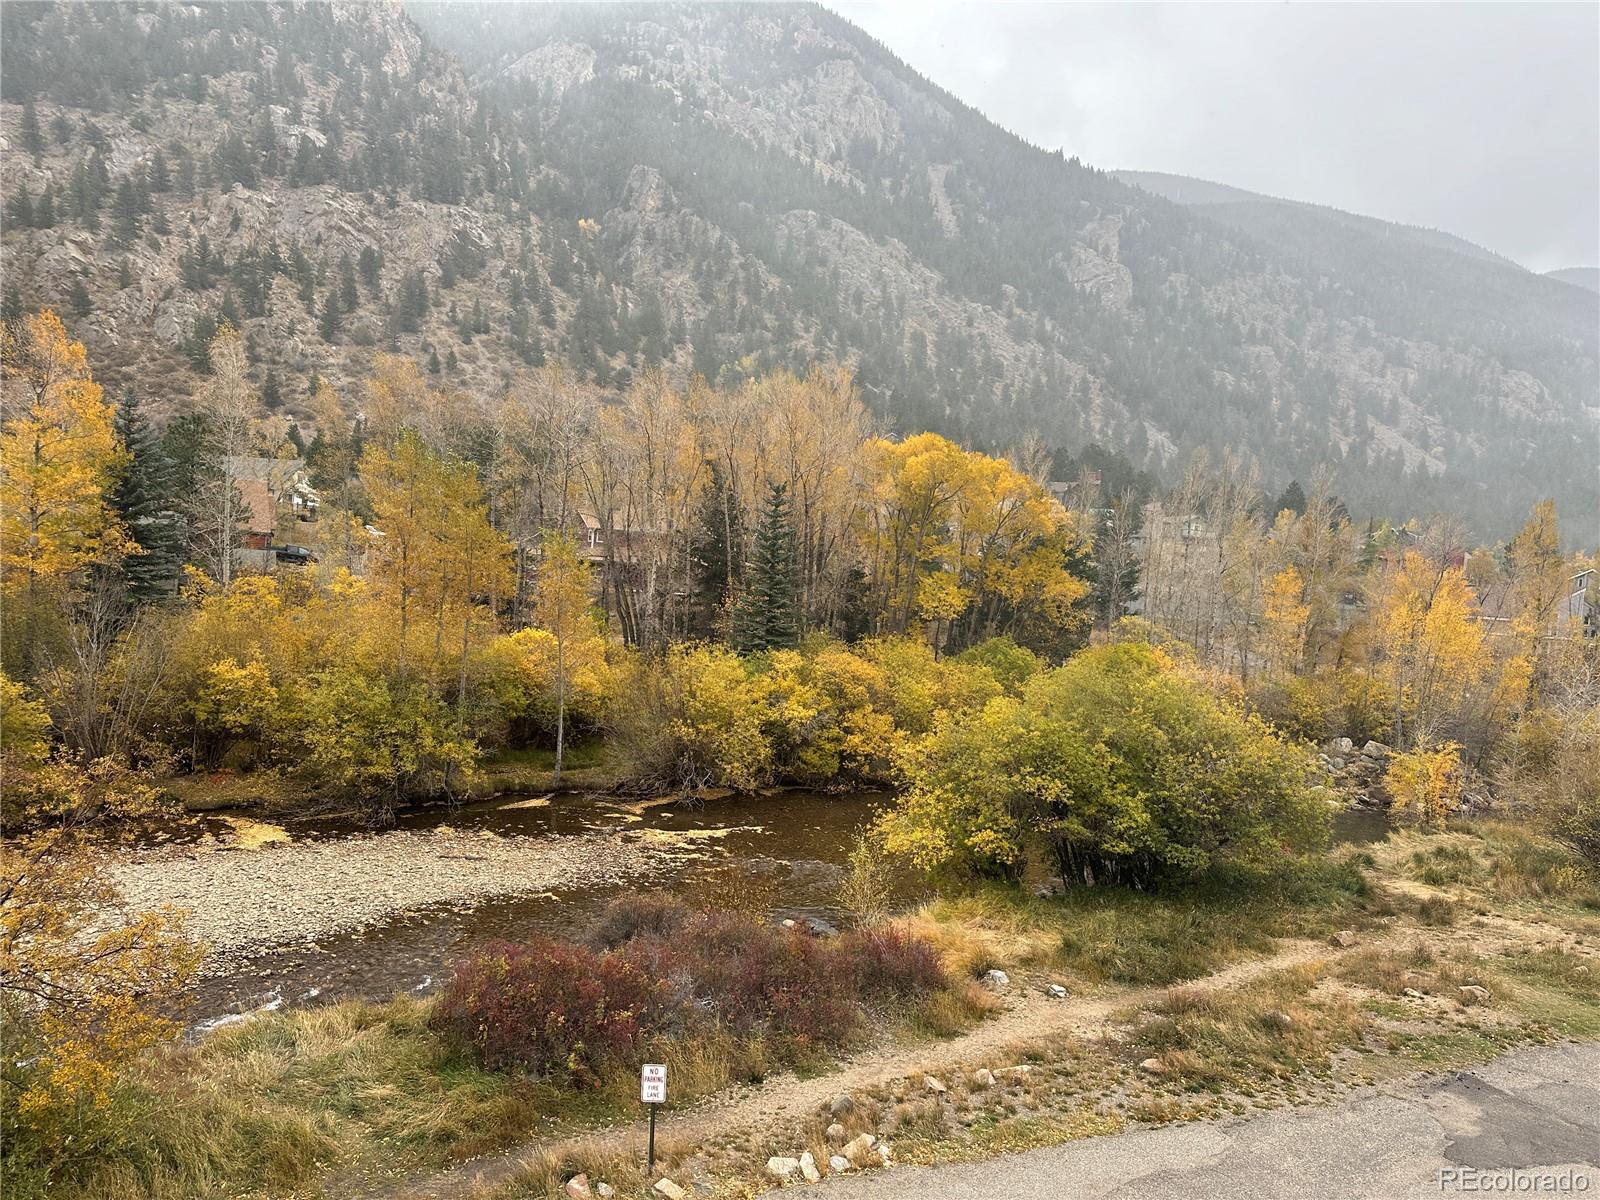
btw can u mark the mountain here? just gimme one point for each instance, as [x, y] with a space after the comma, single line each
[1584, 277]
[1235, 206]
[725, 188]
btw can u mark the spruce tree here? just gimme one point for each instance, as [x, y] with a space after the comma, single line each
[144, 498]
[716, 562]
[767, 616]
[32, 138]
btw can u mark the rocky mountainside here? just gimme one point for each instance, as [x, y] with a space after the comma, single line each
[726, 188]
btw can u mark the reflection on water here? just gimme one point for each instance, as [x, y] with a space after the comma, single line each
[779, 854]
[1360, 826]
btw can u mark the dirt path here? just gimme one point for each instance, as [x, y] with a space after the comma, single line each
[786, 1100]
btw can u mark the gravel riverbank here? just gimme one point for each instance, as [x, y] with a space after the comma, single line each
[242, 901]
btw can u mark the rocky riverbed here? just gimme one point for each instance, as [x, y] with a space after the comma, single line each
[242, 898]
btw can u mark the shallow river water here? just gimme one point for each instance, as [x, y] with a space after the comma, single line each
[781, 854]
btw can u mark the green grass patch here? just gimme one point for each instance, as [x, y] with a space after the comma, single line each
[1186, 932]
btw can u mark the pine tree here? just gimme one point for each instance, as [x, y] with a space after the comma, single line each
[127, 211]
[328, 325]
[144, 499]
[349, 298]
[20, 210]
[1293, 498]
[766, 616]
[82, 305]
[32, 138]
[716, 560]
[159, 177]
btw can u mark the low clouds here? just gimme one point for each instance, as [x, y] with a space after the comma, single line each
[1482, 120]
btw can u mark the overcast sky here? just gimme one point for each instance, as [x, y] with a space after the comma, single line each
[1481, 120]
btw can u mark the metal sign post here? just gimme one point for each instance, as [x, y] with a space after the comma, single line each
[653, 1091]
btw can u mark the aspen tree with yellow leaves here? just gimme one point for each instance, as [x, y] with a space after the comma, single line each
[59, 455]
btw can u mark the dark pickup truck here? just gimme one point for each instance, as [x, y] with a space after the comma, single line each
[296, 556]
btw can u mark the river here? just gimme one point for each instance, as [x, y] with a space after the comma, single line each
[782, 854]
[510, 866]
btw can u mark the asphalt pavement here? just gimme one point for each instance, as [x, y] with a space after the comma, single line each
[1525, 1125]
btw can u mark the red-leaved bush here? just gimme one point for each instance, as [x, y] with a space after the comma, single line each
[886, 964]
[553, 1007]
[565, 1009]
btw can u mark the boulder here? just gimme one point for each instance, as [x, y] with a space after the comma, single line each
[1154, 1066]
[1055, 991]
[669, 1189]
[1374, 750]
[836, 1133]
[783, 1168]
[1344, 939]
[983, 1078]
[1472, 994]
[996, 979]
[838, 1163]
[932, 1083]
[859, 1149]
[808, 1168]
[1341, 745]
[578, 1188]
[842, 1105]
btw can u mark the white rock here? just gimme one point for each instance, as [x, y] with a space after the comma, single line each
[838, 1163]
[670, 1190]
[1055, 991]
[1414, 994]
[996, 979]
[934, 1084]
[1153, 1065]
[808, 1168]
[859, 1147]
[983, 1078]
[836, 1133]
[783, 1168]
[604, 1190]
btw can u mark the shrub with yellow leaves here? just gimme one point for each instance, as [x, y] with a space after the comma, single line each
[1425, 784]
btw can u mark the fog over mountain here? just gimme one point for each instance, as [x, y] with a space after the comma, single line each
[724, 189]
[1479, 119]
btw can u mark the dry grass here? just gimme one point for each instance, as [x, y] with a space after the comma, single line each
[1279, 1027]
[995, 927]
